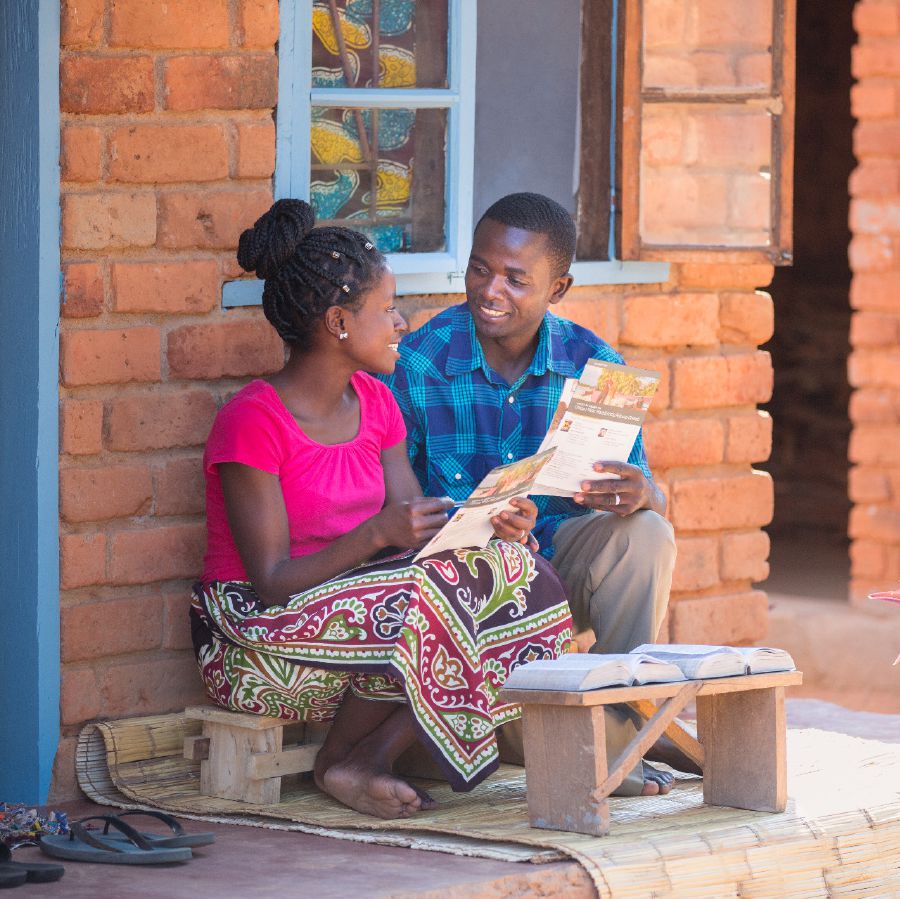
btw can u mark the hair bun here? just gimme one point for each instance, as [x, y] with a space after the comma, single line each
[274, 237]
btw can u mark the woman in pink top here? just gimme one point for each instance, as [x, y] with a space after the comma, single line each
[303, 613]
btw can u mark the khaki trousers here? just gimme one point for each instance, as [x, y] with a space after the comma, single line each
[617, 573]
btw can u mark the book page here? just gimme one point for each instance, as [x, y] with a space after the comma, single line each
[470, 524]
[599, 423]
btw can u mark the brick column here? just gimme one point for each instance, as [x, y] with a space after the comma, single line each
[874, 365]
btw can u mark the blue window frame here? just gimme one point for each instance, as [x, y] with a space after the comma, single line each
[298, 97]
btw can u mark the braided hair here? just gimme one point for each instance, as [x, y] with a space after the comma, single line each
[535, 212]
[306, 269]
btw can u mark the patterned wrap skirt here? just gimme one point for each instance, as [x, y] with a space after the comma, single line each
[441, 635]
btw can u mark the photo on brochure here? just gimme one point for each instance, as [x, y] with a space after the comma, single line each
[597, 419]
[470, 524]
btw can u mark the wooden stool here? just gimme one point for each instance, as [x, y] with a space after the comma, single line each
[741, 748]
[241, 756]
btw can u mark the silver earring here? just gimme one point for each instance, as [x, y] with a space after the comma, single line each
[343, 335]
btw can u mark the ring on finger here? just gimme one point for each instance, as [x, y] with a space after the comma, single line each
[618, 499]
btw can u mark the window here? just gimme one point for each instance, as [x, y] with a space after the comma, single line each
[405, 119]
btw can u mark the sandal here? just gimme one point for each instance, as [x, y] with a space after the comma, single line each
[83, 845]
[179, 839]
[12, 874]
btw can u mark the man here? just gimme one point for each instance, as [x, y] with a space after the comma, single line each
[478, 385]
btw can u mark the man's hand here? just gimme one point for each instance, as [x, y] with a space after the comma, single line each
[412, 523]
[625, 494]
[515, 524]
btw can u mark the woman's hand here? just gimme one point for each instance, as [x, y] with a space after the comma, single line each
[515, 525]
[412, 523]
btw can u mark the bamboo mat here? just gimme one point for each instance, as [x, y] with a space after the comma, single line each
[839, 837]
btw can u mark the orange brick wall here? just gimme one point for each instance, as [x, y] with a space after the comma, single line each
[167, 152]
[874, 366]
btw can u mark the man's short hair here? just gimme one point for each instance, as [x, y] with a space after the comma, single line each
[540, 214]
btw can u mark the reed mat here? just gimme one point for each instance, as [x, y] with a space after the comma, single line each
[840, 835]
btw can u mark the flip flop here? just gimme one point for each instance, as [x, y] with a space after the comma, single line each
[83, 845]
[178, 840]
[33, 872]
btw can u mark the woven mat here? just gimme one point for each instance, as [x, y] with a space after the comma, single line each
[839, 837]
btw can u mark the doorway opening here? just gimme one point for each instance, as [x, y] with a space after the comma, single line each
[809, 407]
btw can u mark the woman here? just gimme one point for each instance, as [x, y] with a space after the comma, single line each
[300, 613]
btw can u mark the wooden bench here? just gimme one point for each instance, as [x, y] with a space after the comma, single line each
[740, 745]
[242, 757]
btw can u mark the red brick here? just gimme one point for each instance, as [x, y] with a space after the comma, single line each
[740, 618]
[168, 683]
[879, 138]
[100, 221]
[209, 220]
[723, 22]
[873, 367]
[113, 491]
[79, 158]
[97, 85]
[873, 253]
[868, 485]
[696, 564]
[82, 290]
[876, 19]
[873, 100]
[148, 154]
[179, 487]
[63, 781]
[873, 329]
[875, 178]
[868, 405]
[188, 24]
[699, 70]
[717, 503]
[744, 556]
[659, 320]
[749, 437]
[232, 349]
[677, 442]
[95, 629]
[176, 625]
[700, 382]
[259, 23]
[255, 150]
[185, 286]
[221, 82]
[81, 23]
[867, 559]
[879, 290]
[876, 58]
[82, 560]
[81, 426]
[723, 276]
[110, 357]
[157, 554]
[874, 445]
[589, 307]
[746, 318]
[666, 27]
[160, 420]
[875, 523]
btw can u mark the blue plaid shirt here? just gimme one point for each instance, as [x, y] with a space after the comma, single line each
[463, 419]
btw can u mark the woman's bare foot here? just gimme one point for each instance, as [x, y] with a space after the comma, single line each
[372, 792]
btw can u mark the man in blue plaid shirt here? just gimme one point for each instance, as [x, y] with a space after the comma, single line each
[478, 385]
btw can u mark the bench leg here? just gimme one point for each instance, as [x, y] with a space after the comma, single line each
[565, 762]
[226, 775]
[744, 741]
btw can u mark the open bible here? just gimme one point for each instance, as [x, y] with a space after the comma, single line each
[589, 671]
[698, 661]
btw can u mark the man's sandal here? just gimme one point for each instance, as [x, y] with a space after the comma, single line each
[178, 839]
[13, 874]
[83, 845]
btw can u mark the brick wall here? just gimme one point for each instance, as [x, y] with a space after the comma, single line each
[874, 366]
[167, 152]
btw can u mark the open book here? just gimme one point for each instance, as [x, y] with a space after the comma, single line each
[590, 671]
[700, 661]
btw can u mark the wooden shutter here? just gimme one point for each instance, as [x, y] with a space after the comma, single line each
[707, 130]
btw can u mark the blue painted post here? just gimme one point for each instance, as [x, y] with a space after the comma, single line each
[29, 322]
